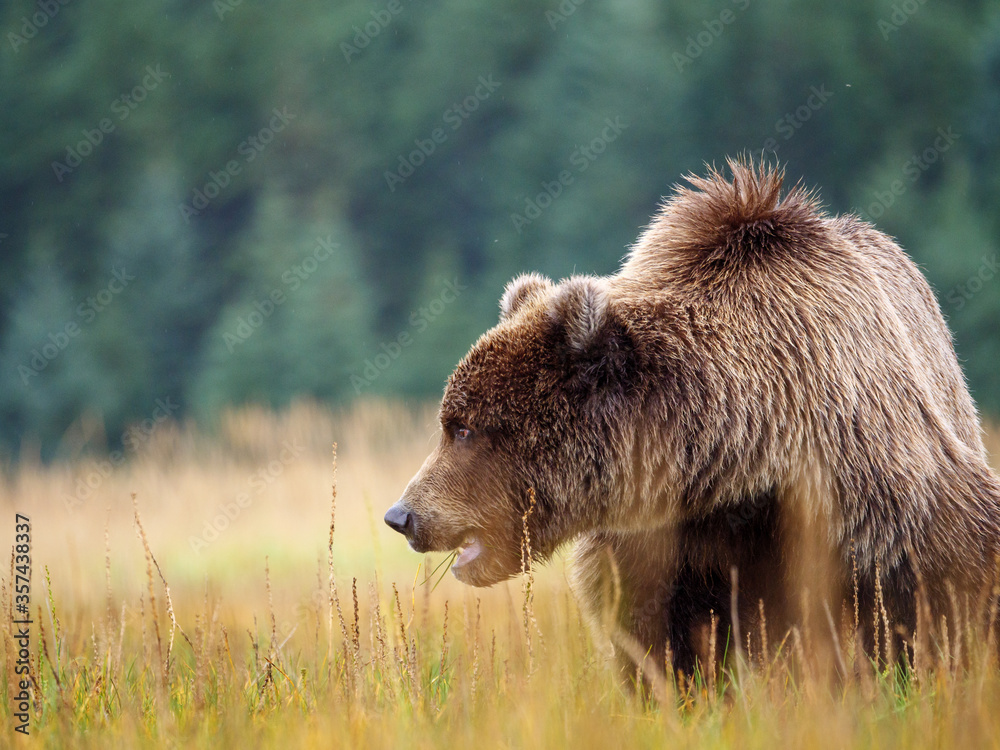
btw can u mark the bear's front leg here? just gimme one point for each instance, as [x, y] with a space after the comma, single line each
[625, 584]
[659, 594]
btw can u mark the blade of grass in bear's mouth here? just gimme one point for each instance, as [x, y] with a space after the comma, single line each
[446, 563]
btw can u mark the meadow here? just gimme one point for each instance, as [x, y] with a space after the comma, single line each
[237, 587]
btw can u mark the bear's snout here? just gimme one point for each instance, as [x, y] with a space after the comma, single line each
[398, 518]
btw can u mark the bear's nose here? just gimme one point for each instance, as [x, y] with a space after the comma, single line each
[399, 519]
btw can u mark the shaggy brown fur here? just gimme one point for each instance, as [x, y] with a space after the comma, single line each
[761, 386]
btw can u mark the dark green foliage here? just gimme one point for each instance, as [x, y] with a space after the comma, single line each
[435, 143]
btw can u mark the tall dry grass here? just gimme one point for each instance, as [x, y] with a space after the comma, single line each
[303, 621]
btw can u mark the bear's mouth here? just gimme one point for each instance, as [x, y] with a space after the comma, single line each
[479, 561]
[467, 551]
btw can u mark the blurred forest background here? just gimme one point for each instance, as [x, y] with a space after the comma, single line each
[215, 203]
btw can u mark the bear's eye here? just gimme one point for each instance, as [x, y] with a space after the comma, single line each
[462, 433]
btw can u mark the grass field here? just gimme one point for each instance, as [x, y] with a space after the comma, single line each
[190, 596]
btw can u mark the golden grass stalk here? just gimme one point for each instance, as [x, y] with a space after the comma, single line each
[166, 594]
[527, 578]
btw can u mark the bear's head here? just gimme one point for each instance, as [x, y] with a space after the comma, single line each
[539, 405]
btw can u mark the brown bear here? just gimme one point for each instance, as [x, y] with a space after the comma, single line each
[760, 384]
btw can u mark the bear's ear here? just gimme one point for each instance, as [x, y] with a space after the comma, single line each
[519, 291]
[582, 307]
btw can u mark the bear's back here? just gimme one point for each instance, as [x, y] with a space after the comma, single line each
[923, 322]
[864, 320]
